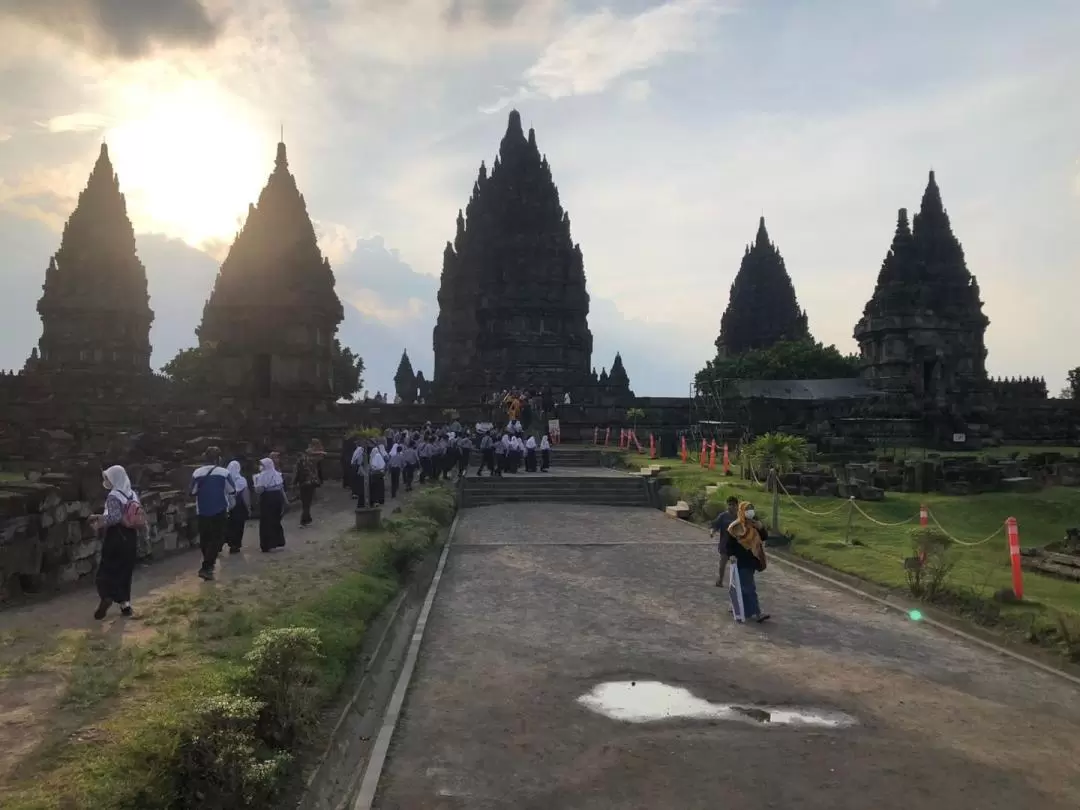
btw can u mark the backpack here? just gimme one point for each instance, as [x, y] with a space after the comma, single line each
[133, 516]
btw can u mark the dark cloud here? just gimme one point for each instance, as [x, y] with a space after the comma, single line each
[494, 12]
[127, 29]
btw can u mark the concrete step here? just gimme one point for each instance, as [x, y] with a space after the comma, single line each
[616, 491]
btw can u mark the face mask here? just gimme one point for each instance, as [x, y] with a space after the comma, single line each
[750, 513]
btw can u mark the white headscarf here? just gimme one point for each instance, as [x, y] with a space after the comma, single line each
[268, 477]
[117, 479]
[239, 481]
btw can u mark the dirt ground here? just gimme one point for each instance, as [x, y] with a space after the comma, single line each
[523, 627]
[52, 650]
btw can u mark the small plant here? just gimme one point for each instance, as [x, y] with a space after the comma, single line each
[669, 496]
[1069, 629]
[281, 674]
[697, 501]
[220, 764]
[779, 450]
[633, 414]
[929, 570]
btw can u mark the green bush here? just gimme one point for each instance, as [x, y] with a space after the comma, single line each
[669, 496]
[220, 763]
[281, 674]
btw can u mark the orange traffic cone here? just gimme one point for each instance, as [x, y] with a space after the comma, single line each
[704, 454]
[727, 461]
[712, 455]
[652, 446]
[683, 452]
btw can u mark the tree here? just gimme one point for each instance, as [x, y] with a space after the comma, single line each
[190, 367]
[1072, 387]
[786, 360]
[348, 372]
[633, 414]
[405, 380]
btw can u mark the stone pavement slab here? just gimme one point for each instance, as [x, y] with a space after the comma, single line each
[541, 604]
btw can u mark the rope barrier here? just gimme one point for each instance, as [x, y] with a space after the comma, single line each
[958, 541]
[862, 512]
[798, 505]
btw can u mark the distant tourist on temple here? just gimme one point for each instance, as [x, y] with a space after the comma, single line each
[530, 454]
[545, 453]
[212, 487]
[411, 460]
[239, 508]
[270, 487]
[121, 519]
[464, 450]
[377, 475]
[306, 478]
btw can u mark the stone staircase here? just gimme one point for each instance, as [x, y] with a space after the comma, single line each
[577, 455]
[614, 489]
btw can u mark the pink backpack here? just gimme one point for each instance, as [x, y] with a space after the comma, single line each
[133, 516]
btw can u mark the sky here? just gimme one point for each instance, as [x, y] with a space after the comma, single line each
[670, 128]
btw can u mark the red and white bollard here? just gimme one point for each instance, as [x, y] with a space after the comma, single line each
[596, 435]
[924, 516]
[1014, 556]
[607, 436]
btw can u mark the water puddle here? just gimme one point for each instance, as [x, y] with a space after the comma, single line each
[653, 701]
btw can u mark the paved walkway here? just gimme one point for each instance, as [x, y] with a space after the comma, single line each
[540, 605]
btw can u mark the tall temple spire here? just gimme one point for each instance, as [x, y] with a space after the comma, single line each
[762, 309]
[95, 307]
[273, 313]
[512, 298]
[923, 328]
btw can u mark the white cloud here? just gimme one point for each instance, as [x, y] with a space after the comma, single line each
[391, 313]
[597, 49]
[336, 241]
[5, 133]
[76, 122]
[637, 90]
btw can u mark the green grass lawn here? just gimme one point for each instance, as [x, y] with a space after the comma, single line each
[876, 553]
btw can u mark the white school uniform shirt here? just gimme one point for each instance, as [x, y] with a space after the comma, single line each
[357, 459]
[516, 444]
[545, 444]
[530, 443]
[378, 461]
[516, 426]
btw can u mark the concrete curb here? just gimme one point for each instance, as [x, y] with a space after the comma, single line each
[369, 785]
[946, 626]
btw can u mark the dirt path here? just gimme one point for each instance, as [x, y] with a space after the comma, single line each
[42, 644]
[540, 607]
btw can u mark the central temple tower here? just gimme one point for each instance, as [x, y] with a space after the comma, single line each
[513, 308]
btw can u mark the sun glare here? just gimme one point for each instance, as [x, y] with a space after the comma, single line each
[189, 161]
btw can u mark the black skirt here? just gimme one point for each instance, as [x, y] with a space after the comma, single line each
[271, 508]
[118, 550]
[234, 529]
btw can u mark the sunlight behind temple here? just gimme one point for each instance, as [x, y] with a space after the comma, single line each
[189, 160]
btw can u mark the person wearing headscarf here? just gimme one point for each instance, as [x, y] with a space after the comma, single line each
[545, 453]
[396, 462]
[348, 445]
[240, 509]
[120, 520]
[530, 454]
[270, 487]
[356, 477]
[487, 454]
[746, 546]
[377, 475]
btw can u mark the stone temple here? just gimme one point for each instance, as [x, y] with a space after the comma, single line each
[513, 308]
[95, 308]
[270, 323]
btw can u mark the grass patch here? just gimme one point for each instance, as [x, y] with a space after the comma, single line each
[1050, 611]
[209, 708]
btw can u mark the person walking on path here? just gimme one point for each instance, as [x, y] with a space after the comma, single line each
[307, 481]
[212, 486]
[270, 487]
[746, 543]
[720, 525]
[545, 453]
[396, 462]
[121, 519]
[530, 454]
[410, 458]
[240, 509]
[377, 474]
[464, 449]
